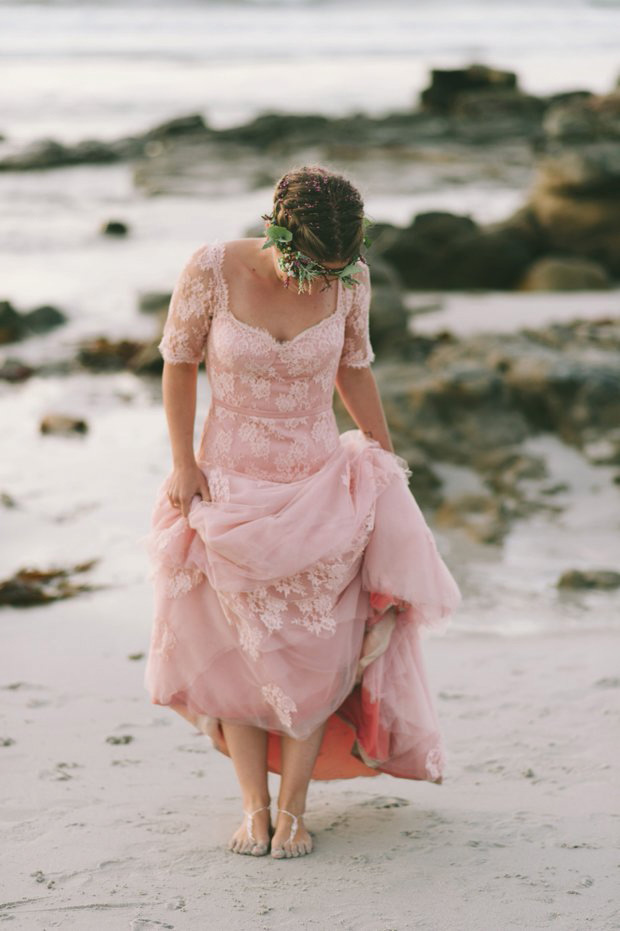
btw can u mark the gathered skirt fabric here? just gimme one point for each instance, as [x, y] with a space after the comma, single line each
[265, 599]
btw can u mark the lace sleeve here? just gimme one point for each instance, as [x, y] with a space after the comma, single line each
[357, 350]
[189, 313]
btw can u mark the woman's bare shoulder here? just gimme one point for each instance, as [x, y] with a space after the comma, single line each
[241, 254]
[242, 249]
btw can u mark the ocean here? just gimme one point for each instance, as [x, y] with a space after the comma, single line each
[101, 69]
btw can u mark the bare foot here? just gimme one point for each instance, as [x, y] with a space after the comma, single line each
[253, 835]
[291, 838]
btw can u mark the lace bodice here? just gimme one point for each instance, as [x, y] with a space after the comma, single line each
[271, 400]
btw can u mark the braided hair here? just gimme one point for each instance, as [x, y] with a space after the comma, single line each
[323, 211]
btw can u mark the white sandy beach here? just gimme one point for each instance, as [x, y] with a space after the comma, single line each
[522, 834]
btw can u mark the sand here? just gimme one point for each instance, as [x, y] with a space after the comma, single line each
[522, 834]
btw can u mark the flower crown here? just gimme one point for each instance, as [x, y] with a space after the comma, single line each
[296, 264]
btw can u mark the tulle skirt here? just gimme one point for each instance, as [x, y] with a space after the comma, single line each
[292, 605]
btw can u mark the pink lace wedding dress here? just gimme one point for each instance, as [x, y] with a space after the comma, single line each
[267, 597]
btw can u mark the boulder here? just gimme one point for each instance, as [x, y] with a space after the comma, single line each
[15, 326]
[565, 273]
[576, 202]
[447, 85]
[12, 326]
[583, 118]
[445, 251]
[43, 318]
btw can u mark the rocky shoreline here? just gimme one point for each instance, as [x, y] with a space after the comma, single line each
[469, 402]
[471, 122]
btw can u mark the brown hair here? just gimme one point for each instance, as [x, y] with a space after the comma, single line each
[323, 211]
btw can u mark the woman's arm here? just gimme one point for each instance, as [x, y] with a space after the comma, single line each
[182, 347]
[358, 389]
[179, 397]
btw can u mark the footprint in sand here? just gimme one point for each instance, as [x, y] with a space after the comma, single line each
[385, 801]
[59, 773]
[148, 924]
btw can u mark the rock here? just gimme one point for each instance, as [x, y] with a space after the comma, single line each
[47, 153]
[30, 587]
[483, 518]
[15, 326]
[565, 273]
[7, 500]
[450, 411]
[43, 318]
[191, 124]
[14, 370]
[388, 321]
[471, 401]
[147, 361]
[505, 468]
[567, 395]
[381, 272]
[424, 481]
[584, 171]
[576, 579]
[495, 104]
[576, 202]
[61, 423]
[104, 355]
[114, 228]
[11, 323]
[447, 251]
[583, 117]
[153, 302]
[268, 131]
[448, 85]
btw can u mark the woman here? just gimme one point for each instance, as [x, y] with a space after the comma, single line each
[292, 567]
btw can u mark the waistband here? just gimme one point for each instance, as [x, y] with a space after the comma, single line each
[256, 412]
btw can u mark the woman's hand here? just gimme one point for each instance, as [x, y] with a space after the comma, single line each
[185, 482]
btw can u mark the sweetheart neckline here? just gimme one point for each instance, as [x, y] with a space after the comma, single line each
[261, 329]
